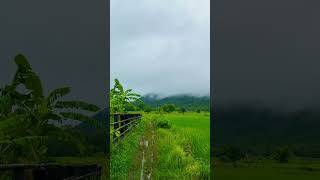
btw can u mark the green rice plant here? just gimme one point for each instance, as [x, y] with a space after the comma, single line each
[184, 150]
[165, 124]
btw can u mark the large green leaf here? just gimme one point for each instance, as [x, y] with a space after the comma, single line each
[22, 62]
[24, 75]
[57, 93]
[34, 84]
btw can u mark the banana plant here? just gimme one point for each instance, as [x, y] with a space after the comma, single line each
[26, 117]
[119, 97]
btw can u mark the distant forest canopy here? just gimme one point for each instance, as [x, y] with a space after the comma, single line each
[189, 102]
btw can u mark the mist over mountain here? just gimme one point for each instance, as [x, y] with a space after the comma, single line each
[188, 101]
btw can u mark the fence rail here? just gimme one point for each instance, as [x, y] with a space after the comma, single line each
[122, 124]
[50, 172]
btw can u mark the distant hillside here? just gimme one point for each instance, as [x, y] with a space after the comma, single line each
[187, 101]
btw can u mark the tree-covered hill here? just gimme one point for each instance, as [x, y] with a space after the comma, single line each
[189, 102]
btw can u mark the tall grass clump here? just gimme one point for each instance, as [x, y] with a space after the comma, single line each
[122, 156]
[183, 150]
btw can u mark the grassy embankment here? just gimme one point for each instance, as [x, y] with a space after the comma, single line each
[122, 156]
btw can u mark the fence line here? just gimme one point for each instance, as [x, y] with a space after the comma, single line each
[122, 125]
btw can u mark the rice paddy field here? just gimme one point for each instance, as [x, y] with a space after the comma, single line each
[298, 169]
[178, 147]
[184, 149]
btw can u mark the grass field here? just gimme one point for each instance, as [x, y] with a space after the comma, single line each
[179, 152]
[184, 149]
[298, 169]
[122, 156]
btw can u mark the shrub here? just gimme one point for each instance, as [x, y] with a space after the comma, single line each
[168, 108]
[147, 109]
[282, 154]
[164, 124]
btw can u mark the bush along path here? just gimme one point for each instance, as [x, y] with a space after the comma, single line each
[145, 159]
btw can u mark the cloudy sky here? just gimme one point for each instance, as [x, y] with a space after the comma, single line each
[161, 46]
[65, 48]
[267, 51]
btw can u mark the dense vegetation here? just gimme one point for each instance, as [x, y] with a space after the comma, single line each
[122, 156]
[33, 125]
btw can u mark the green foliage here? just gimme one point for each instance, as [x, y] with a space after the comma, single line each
[147, 109]
[123, 155]
[26, 118]
[282, 154]
[165, 124]
[183, 151]
[182, 110]
[231, 153]
[168, 108]
[121, 98]
[189, 102]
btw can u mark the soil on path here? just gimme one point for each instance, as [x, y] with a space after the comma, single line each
[144, 162]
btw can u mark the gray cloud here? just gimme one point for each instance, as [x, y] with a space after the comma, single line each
[65, 42]
[162, 46]
[267, 51]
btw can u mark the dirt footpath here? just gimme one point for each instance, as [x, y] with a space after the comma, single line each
[144, 162]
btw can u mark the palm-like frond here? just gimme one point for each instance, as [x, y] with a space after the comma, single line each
[57, 93]
[24, 117]
[120, 98]
[27, 77]
[22, 62]
[27, 139]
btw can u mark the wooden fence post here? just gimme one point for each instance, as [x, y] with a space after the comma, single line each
[119, 123]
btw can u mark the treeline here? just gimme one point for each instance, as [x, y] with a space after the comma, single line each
[166, 108]
[259, 130]
[181, 103]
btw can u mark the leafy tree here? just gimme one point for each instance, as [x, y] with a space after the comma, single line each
[147, 109]
[140, 105]
[182, 110]
[282, 154]
[27, 118]
[168, 108]
[120, 98]
[232, 154]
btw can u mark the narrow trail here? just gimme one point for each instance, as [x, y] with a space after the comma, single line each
[144, 161]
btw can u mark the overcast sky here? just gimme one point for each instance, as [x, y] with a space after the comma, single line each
[161, 46]
[267, 51]
[64, 41]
